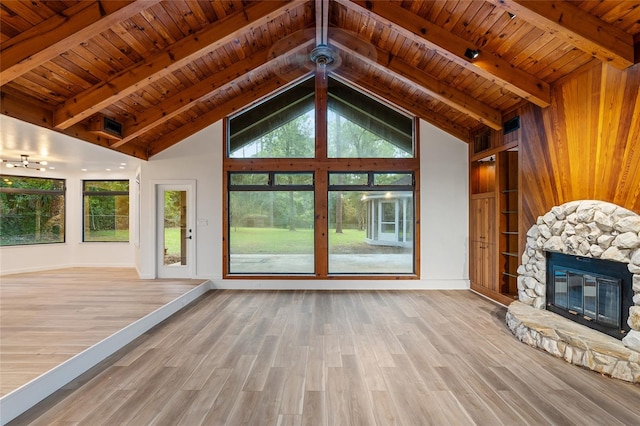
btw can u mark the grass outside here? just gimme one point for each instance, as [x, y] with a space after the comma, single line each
[120, 235]
[283, 241]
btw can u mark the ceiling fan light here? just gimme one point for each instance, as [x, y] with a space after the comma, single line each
[322, 55]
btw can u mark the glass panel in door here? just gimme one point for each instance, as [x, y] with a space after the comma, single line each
[176, 233]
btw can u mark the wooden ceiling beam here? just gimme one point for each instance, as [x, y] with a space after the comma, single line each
[184, 100]
[61, 32]
[397, 99]
[169, 60]
[32, 111]
[387, 63]
[576, 27]
[237, 103]
[453, 48]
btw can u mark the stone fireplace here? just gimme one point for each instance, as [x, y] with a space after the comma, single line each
[590, 232]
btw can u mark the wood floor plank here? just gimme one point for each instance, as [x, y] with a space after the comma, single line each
[331, 358]
[314, 411]
[48, 317]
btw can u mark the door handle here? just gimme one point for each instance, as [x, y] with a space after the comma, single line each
[188, 238]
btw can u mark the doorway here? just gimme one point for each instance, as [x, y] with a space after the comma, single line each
[175, 230]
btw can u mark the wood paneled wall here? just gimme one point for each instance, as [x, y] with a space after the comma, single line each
[586, 145]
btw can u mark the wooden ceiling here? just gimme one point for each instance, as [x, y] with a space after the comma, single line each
[167, 69]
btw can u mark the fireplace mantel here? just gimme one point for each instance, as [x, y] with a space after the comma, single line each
[586, 228]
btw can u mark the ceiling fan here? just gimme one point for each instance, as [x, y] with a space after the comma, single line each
[330, 44]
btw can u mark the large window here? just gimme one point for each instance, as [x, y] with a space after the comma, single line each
[320, 182]
[370, 223]
[31, 210]
[271, 223]
[106, 210]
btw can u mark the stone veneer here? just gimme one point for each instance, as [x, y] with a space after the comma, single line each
[584, 228]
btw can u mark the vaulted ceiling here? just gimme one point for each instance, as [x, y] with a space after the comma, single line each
[164, 70]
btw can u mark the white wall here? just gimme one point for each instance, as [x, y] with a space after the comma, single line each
[198, 158]
[73, 252]
[443, 207]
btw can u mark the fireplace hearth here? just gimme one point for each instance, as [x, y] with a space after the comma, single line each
[578, 309]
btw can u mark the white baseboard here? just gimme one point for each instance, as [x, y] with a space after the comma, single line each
[364, 284]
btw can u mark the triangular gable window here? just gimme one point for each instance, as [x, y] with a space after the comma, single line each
[358, 126]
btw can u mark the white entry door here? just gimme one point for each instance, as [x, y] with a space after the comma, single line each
[176, 230]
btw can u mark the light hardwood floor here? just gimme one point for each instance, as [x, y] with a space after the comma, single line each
[338, 358]
[48, 317]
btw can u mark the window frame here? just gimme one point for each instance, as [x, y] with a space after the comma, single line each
[62, 192]
[269, 186]
[321, 165]
[86, 193]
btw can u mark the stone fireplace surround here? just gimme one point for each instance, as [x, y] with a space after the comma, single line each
[586, 228]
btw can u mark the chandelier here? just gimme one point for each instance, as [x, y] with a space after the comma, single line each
[25, 163]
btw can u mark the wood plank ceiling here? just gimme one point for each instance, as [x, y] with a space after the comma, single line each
[167, 69]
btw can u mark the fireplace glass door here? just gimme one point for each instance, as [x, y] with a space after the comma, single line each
[595, 298]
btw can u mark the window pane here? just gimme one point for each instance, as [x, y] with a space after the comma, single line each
[106, 185]
[281, 127]
[249, 178]
[37, 184]
[380, 179]
[106, 216]
[293, 179]
[32, 210]
[371, 232]
[348, 178]
[271, 232]
[362, 127]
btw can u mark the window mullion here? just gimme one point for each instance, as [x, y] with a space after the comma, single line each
[321, 196]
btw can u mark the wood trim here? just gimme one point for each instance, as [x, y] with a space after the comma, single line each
[576, 27]
[453, 47]
[321, 202]
[492, 151]
[498, 297]
[162, 64]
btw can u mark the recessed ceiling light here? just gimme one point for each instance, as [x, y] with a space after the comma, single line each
[51, 168]
[123, 164]
[471, 53]
[108, 170]
[84, 170]
[121, 167]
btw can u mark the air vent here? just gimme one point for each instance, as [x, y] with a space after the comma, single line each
[511, 125]
[107, 127]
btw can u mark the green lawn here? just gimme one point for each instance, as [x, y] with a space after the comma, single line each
[121, 235]
[283, 241]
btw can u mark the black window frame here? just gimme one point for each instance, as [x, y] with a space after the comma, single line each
[31, 191]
